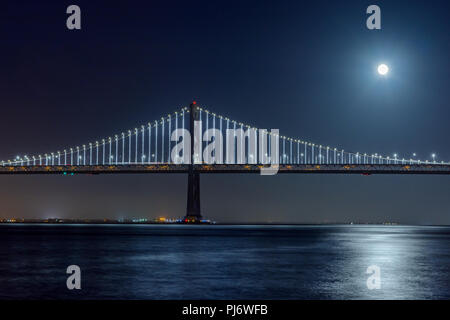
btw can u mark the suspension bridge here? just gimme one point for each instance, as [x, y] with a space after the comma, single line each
[167, 146]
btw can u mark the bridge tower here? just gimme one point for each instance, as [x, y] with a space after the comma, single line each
[193, 214]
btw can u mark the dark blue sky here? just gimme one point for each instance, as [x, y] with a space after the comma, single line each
[307, 68]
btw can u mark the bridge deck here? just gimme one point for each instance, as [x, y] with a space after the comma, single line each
[232, 168]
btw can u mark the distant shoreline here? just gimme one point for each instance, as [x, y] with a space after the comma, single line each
[213, 223]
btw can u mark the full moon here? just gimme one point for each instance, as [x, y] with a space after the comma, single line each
[383, 69]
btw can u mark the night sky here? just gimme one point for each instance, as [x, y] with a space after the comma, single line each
[305, 67]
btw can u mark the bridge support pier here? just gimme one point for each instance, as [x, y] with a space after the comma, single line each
[193, 214]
